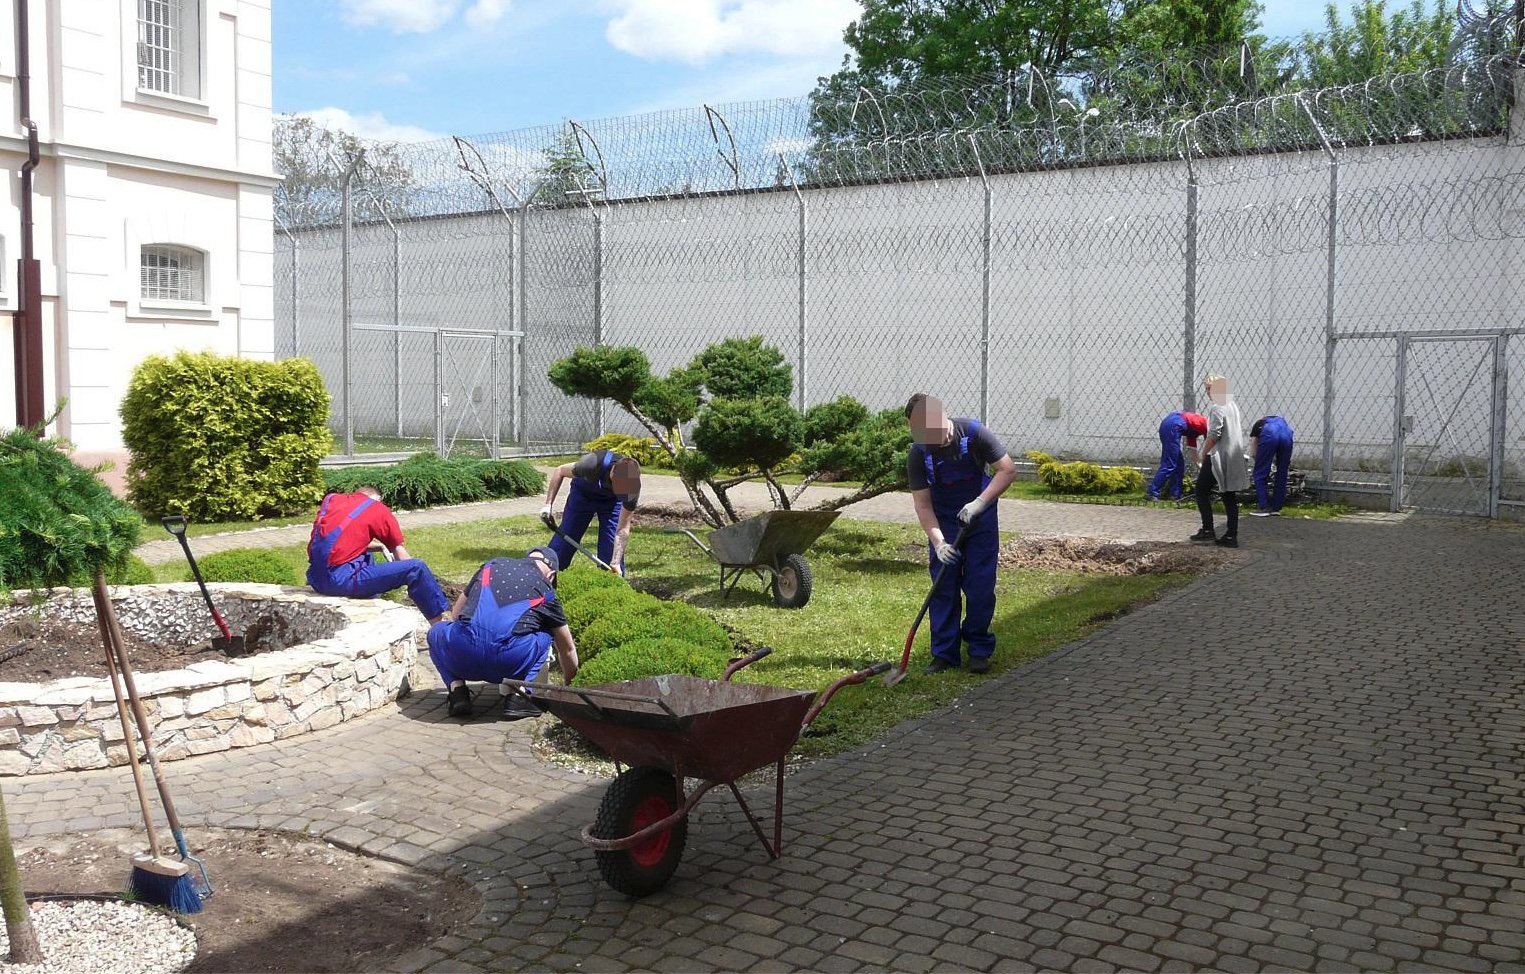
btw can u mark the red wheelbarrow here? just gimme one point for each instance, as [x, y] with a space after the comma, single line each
[669, 729]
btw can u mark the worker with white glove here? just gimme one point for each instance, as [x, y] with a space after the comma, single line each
[957, 468]
[605, 485]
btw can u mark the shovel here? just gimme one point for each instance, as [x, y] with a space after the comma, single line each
[897, 674]
[550, 522]
[227, 643]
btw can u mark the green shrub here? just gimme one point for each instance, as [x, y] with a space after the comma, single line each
[747, 432]
[1081, 477]
[642, 449]
[133, 571]
[221, 439]
[673, 620]
[586, 609]
[426, 480]
[508, 478]
[582, 579]
[58, 521]
[829, 421]
[246, 565]
[604, 372]
[1122, 480]
[642, 658]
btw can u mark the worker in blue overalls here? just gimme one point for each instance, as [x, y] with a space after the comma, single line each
[1270, 442]
[1168, 476]
[605, 485]
[957, 468]
[339, 556]
[506, 623]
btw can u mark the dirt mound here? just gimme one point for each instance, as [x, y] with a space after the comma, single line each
[1111, 557]
[668, 515]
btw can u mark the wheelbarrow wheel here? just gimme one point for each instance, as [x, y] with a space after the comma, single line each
[637, 798]
[791, 583]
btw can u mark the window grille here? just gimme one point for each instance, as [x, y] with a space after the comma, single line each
[172, 274]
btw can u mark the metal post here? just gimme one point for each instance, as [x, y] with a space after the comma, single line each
[396, 323]
[1395, 501]
[521, 400]
[984, 289]
[1331, 273]
[1189, 318]
[1498, 428]
[492, 446]
[801, 396]
[598, 300]
[347, 317]
[439, 396]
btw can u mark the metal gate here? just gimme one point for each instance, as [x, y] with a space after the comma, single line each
[1448, 422]
[476, 380]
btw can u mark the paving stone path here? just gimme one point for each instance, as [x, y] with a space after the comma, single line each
[1312, 760]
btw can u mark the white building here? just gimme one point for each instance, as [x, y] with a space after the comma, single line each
[152, 202]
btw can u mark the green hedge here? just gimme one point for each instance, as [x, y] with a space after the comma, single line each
[582, 579]
[224, 439]
[651, 657]
[587, 609]
[246, 565]
[1081, 477]
[427, 480]
[676, 620]
[133, 571]
[58, 521]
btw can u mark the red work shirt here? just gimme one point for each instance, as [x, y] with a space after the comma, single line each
[374, 523]
[1196, 425]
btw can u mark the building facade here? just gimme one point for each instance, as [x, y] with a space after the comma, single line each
[152, 197]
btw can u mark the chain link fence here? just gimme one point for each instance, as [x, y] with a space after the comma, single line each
[1348, 255]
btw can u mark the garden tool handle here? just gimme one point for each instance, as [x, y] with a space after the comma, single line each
[851, 679]
[174, 524]
[910, 636]
[171, 523]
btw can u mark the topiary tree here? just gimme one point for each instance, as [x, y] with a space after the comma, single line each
[736, 393]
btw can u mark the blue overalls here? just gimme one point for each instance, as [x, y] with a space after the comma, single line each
[484, 646]
[1172, 467]
[955, 483]
[584, 502]
[358, 578]
[1275, 444]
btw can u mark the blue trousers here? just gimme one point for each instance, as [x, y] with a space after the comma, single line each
[1275, 447]
[580, 510]
[1172, 466]
[459, 653]
[360, 579]
[966, 587]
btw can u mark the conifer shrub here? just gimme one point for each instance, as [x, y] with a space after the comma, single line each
[582, 578]
[655, 656]
[587, 609]
[246, 565]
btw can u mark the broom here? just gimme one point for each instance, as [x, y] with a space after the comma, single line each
[202, 881]
[155, 879]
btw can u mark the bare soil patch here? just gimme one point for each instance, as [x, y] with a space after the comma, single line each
[282, 902]
[1111, 557]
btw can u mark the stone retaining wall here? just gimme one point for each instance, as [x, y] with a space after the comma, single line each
[210, 706]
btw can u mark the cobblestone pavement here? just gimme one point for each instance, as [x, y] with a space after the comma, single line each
[1311, 760]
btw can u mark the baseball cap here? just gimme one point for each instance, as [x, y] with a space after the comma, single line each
[547, 554]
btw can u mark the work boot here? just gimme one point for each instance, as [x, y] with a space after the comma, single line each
[979, 664]
[940, 665]
[518, 707]
[1206, 534]
[458, 702]
[1227, 541]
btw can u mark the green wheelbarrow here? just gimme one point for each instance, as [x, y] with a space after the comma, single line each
[770, 546]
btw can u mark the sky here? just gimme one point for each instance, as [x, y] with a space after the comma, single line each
[417, 70]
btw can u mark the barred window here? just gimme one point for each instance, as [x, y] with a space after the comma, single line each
[169, 46]
[173, 274]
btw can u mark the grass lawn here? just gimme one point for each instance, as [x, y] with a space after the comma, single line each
[870, 579]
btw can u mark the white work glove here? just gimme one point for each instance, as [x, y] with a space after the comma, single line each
[947, 554]
[971, 510]
[546, 512]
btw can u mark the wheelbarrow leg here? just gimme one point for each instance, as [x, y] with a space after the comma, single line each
[776, 847]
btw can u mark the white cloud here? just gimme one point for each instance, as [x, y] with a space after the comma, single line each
[371, 126]
[695, 31]
[400, 16]
[485, 13]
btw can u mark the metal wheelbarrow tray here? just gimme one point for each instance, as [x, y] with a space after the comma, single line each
[773, 542]
[668, 730]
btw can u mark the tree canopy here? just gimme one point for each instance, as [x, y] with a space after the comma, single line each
[311, 160]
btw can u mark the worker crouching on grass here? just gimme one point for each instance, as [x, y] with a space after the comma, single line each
[339, 560]
[957, 468]
[506, 623]
[605, 485]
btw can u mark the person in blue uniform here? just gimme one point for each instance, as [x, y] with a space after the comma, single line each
[605, 485]
[1172, 469]
[1270, 444]
[506, 623]
[339, 560]
[957, 468]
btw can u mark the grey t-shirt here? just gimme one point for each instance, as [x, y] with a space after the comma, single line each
[589, 468]
[983, 446]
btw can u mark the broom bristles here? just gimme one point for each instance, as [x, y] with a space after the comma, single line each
[165, 882]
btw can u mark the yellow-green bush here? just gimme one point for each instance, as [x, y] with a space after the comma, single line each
[642, 449]
[675, 620]
[657, 656]
[582, 578]
[1082, 477]
[246, 565]
[589, 607]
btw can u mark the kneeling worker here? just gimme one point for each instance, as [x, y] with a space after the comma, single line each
[506, 623]
[339, 560]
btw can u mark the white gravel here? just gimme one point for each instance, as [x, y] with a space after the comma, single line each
[105, 937]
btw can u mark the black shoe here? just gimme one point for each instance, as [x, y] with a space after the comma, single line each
[458, 702]
[979, 664]
[940, 665]
[518, 707]
[1206, 534]
[1227, 541]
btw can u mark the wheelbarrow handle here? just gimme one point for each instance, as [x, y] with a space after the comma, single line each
[692, 537]
[745, 661]
[846, 681]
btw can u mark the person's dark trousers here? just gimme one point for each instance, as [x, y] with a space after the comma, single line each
[582, 507]
[1207, 482]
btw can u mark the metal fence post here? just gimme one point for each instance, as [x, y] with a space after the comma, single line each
[984, 289]
[1189, 313]
[439, 394]
[347, 314]
[801, 249]
[1395, 500]
[396, 323]
[1331, 272]
[598, 299]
